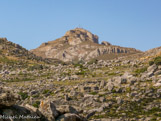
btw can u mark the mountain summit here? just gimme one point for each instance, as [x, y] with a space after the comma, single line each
[80, 44]
[79, 35]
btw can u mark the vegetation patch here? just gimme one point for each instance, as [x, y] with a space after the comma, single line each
[141, 70]
[18, 80]
[36, 104]
[93, 93]
[157, 61]
[46, 91]
[23, 95]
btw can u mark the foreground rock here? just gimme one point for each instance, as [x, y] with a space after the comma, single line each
[48, 109]
[7, 98]
[11, 112]
[47, 112]
[70, 117]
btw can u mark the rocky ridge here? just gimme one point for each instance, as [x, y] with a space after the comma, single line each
[10, 50]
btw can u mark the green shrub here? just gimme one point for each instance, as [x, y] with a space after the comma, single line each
[18, 80]
[112, 74]
[113, 91]
[157, 60]
[151, 63]
[141, 70]
[149, 80]
[81, 73]
[35, 67]
[154, 109]
[78, 65]
[23, 95]
[36, 104]
[93, 93]
[46, 91]
[36, 96]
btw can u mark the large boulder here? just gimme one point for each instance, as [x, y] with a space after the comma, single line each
[62, 109]
[158, 84]
[12, 112]
[48, 109]
[19, 113]
[152, 68]
[7, 98]
[69, 117]
[119, 80]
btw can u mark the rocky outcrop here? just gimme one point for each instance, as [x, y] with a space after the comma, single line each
[105, 43]
[79, 44]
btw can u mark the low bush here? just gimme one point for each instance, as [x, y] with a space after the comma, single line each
[141, 70]
[23, 95]
[157, 60]
[151, 63]
[36, 104]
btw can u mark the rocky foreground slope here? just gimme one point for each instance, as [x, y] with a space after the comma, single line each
[113, 90]
[80, 44]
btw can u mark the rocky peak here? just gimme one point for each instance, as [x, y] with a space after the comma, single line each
[78, 35]
[79, 44]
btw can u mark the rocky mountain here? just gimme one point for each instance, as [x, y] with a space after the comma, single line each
[80, 44]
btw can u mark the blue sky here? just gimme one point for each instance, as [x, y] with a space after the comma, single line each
[128, 23]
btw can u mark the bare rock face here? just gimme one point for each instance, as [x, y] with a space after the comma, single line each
[79, 44]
